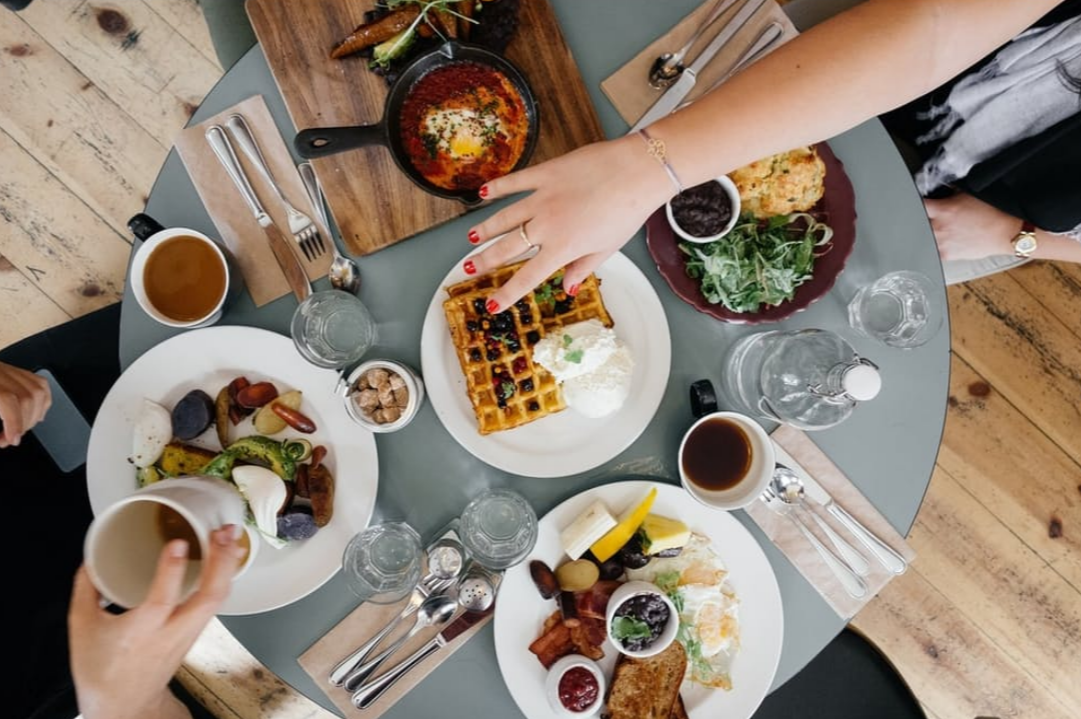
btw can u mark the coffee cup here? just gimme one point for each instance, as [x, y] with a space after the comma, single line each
[124, 542]
[726, 460]
[181, 278]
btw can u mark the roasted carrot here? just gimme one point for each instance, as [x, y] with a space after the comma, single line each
[373, 33]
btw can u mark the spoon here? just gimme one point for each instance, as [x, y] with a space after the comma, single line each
[761, 45]
[444, 565]
[668, 67]
[344, 272]
[434, 612]
[852, 584]
[791, 491]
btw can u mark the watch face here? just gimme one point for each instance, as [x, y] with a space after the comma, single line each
[1025, 244]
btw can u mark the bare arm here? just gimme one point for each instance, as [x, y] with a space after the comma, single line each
[877, 56]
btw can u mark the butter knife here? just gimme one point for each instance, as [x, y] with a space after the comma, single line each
[675, 95]
[369, 693]
[283, 253]
[885, 554]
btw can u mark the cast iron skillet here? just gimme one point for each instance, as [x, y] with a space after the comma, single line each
[320, 142]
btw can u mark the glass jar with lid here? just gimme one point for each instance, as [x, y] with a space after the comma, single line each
[810, 379]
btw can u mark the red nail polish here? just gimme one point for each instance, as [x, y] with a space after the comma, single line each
[573, 290]
[469, 267]
[492, 306]
[483, 191]
[474, 237]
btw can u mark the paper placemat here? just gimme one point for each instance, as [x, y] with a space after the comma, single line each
[796, 450]
[628, 87]
[236, 224]
[363, 623]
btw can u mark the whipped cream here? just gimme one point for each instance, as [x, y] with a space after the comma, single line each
[591, 363]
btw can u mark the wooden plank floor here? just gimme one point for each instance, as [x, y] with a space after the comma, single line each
[987, 622]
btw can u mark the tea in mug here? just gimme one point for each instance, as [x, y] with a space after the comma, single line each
[172, 525]
[184, 278]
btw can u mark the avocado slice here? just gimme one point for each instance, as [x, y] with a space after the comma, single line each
[257, 450]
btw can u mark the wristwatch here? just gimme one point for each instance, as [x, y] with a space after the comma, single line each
[1024, 242]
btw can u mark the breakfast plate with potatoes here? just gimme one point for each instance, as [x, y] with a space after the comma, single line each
[661, 605]
[181, 409]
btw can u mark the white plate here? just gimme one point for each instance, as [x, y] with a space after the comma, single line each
[208, 359]
[520, 612]
[564, 443]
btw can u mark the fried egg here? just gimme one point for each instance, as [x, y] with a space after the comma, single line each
[696, 580]
[460, 132]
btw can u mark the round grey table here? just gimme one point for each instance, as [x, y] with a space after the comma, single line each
[888, 449]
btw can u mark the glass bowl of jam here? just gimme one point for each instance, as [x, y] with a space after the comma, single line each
[706, 212]
[575, 686]
[642, 620]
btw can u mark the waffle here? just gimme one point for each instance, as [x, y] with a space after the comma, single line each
[506, 388]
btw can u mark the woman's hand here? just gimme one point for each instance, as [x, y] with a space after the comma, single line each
[122, 664]
[970, 229]
[24, 400]
[584, 206]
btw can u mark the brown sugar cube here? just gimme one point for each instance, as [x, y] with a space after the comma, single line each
[367, 400]
[387, 415]
[378, 378]
[386, 395]
[401, 398]
[396, 382]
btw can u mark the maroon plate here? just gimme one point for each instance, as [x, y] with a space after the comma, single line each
[837, 208]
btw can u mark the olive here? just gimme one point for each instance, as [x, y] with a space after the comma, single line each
[611, 570]
[631, 555]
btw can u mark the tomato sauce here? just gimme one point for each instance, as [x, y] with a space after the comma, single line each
[578, 689]
[463, 124]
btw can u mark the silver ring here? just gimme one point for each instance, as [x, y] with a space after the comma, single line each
[524, 236]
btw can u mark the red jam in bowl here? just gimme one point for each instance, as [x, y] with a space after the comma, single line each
[578, 689]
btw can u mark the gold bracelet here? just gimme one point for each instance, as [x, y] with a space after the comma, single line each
[657, 150]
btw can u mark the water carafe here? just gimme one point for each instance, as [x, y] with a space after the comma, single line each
[810, 379]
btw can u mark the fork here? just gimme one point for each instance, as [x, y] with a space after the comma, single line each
[305, 232]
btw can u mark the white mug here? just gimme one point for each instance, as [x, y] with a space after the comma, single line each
[757, 477]
[138, 266]
[125, 541]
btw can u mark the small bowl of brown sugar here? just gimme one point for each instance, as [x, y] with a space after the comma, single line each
[384, 395]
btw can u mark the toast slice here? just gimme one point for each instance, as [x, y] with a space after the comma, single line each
[648, 688]
[678, 710]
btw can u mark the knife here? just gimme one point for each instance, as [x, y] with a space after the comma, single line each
[289, 263]
[369, 693]
[671, 99]
[890, 559]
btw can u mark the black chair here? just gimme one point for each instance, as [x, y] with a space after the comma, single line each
[849, 679]
[48, 511]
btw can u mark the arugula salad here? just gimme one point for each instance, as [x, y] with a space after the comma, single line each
[760, 262]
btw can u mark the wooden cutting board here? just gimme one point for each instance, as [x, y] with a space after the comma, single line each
[373, 202]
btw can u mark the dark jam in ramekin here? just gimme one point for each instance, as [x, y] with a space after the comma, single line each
[648, 608]
[578, 689]
[703, 210]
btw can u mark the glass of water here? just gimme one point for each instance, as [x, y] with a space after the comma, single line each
[897, 309]
[382, 564]
[332, 329]
[499, 528]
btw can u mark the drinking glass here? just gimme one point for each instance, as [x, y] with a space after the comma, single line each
[499, 528]
[332, 329]
[897, 310]
[382, 564]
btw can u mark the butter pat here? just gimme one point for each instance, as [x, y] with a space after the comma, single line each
[586, 529]
[661, 533]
